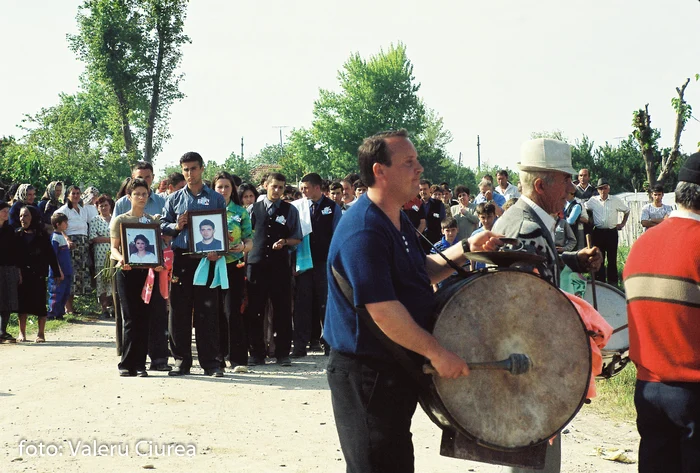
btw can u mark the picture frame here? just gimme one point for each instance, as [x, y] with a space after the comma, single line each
[144, 238]
[207, 231]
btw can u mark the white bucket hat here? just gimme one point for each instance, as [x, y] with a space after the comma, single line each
[544, 154]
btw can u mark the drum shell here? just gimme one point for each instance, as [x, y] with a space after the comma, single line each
[495, 408]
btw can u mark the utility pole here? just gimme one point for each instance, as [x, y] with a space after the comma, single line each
[478, 154]
[281, 144]
[459, 161]
[241, 147]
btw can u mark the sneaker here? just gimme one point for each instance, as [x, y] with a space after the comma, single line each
[284, 361]
[7, 338]
[256, 360]
[215, 372]
[124, 373]
[240, 369]
[142, 373]
[160, 367]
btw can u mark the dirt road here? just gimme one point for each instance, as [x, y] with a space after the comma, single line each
[64, 409]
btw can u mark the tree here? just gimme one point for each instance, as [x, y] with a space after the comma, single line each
[375, 95]
[133, 48]
[73, 141]
[647, 137]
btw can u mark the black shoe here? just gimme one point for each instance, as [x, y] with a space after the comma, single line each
[160, 367]
[256, 360]
[123, 372]
[315, 346]
[298, 353]
[215, 372]
[326, 350]
[142, 373]
[284, 361]
[7, 338]
[179, 371]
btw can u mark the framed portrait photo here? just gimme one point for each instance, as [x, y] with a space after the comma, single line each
[207, 231]
[141, 244]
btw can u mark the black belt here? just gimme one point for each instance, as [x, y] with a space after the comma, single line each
[605, 229]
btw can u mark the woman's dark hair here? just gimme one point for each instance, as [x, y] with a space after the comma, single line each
[142, 238]
[11, 192]
[137, 182]
[243, 188]
[67, 195]
[234, 191]
[122, 188]
[105, 198]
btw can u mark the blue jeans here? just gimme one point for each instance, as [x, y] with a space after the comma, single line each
[668, 418]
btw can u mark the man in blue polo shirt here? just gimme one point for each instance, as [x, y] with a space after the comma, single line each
[186, 299]
[376, 251]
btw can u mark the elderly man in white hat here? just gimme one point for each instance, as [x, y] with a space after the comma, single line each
[545, 174]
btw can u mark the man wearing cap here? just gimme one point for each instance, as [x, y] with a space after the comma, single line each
[605, 208]
[545, 174]
[662, 284]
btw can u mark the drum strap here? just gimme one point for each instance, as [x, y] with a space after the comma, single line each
[397, 351]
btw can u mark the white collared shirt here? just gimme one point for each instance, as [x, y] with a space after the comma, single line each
[510, 192]
[605, 212]
[77, 221]
[547, 219]
[685, 214]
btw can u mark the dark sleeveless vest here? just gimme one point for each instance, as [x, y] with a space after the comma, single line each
[266, 231]
[322, 226]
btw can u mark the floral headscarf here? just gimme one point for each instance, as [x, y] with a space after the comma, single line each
[89, 195]
[50, 193]
[21, 194]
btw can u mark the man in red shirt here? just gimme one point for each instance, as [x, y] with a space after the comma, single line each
[662, 284]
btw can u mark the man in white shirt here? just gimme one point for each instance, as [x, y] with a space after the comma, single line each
[605, 208]
[656, 211]
[505, 188]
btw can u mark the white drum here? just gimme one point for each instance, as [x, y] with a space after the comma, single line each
[612, 305]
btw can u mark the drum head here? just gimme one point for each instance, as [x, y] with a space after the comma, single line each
[492, 315]
[613, 307]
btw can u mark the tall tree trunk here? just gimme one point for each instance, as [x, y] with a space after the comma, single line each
[668, 162]
[129, 144]
[643, 134]
[155, 94]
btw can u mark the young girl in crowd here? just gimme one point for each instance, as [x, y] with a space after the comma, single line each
[129, 281]
[38, 255]
[233, 338]
[9, 272]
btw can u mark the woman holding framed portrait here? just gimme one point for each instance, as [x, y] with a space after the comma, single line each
[232, 332]
[127, 234]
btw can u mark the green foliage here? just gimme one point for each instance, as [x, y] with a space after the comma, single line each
[621, 165]
[74, 141]
[375, 95]
[133, 48]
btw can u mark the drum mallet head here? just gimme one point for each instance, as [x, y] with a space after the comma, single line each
[518, 363]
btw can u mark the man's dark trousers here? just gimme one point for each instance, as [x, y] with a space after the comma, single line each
[190, 303]
[311, 293]
[606, 241]
[273, 281]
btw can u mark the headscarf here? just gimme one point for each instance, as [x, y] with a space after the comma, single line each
[50, 193]
[89, 195]
[21, 194]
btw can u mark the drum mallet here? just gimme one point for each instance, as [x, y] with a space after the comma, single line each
[516, 363]
[595, 297]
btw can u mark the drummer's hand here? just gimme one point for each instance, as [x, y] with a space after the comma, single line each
[485, 241]
[590, 259]
[449, 365]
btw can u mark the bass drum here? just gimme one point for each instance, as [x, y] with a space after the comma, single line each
[612, 305]
[487, 317]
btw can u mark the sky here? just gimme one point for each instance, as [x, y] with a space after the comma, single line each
[497, 69]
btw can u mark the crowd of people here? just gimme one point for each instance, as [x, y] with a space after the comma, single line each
[265, 292]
